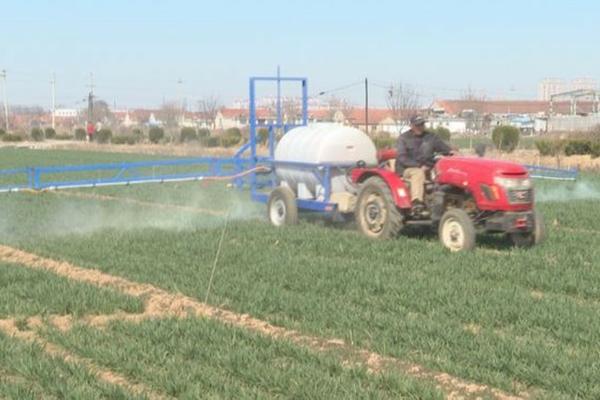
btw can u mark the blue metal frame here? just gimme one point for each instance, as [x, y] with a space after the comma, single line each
[129, 173]
[540, 172]
[254, 124]
[321, 171]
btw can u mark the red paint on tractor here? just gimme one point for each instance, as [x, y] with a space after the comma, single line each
[466, 173]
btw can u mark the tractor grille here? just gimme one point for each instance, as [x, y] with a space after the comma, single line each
[520, 196]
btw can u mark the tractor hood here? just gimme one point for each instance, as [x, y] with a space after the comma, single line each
[475, 164]
[458, 170]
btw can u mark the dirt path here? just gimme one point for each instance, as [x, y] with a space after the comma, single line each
[160, 303]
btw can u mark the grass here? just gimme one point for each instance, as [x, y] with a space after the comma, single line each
[22, 157]
[26, 372]
[198, 358]
[500, 316]
[404, 298]
[25, 292]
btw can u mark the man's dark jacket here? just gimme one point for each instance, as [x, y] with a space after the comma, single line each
[417, 151]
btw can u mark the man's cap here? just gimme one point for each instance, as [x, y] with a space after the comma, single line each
[417, 120]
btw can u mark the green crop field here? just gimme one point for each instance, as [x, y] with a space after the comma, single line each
[524, 321]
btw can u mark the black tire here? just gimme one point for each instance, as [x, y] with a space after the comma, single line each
[535, 237]
[457, 231]
[376, 213]
[282, 208]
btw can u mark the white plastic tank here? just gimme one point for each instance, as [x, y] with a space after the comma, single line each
[318, 144]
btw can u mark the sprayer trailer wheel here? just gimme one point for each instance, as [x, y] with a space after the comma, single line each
[282, 208]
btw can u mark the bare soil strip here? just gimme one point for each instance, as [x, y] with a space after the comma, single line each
[160, 303]
[64, 323]
[94, 196]
[9, 327]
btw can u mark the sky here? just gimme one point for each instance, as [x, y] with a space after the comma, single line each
[138, 51]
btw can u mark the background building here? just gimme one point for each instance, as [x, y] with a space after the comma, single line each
[551, 86]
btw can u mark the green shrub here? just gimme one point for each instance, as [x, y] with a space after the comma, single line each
[64, 136]
[231, 137]
[443, 133]
[576, 147]
[80, 134]
[12, 137]
[263, 135]
[138, 135]
[2, 132]
[383, 135]
[37, 134]
[156, 134]
[123, 139]
[50, 133]
[549, 147]
[595, 149]
[188, 134]
[228, 141]
[506, 138]
[203, 132]
[103, 136]
[384, 143]
[209, 141]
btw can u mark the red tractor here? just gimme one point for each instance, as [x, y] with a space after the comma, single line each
[464, 196]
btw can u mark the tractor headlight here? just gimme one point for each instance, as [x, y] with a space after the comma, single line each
[513, 183]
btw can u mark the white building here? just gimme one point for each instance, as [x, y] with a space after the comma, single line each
[551, 86]
[454, 125]
[66, 113]
[584, 84]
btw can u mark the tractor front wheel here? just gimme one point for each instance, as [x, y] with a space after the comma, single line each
[456, 230]
[282, 208]
[537, 236]
[376, 213]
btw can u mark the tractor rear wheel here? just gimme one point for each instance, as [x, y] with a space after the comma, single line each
[537, 236]
[282, 208]
[376, 213]
[457, 231]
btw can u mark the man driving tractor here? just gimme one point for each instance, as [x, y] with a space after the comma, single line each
[416, 150]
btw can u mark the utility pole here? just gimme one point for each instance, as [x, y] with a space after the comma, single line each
[367, 105]
[91, 99]
[3, 76]
[180, 85]
[53, 87]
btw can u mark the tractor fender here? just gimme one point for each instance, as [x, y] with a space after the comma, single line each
[399, 190]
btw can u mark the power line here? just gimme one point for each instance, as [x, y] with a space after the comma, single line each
[340, 88]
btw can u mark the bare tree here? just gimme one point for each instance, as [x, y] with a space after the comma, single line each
[402, 101]
[470, 94]
[291, 110]
[474, 115]
[169, 113]
[339, 104]
[209, 108]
